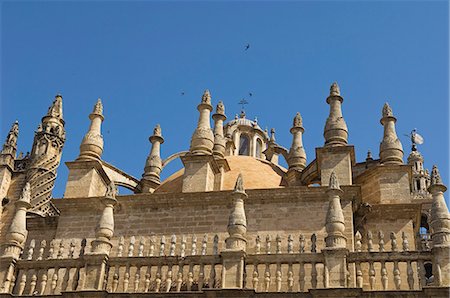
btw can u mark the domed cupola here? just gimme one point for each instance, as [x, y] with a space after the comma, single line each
[245, 137]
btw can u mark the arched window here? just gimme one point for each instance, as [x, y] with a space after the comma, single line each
[258, 148]
[424, 227]
[244, 145]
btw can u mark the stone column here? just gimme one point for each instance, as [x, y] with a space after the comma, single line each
[234, 254]
[91, 147]
[335, 251]
[440, 231]
[7, 157]
[391, 150]
[151, 179]
[219, 140]
[335, 132]
[15, 240]
[202, 141]
[297, 156]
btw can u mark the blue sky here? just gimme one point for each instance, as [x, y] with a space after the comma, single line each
[139, 56]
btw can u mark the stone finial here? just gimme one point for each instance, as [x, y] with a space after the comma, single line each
[335, 223]
[91, 147]
[55, 110]
[237, 221]
[105, 227]
[153, 165]
[17, 232]
[391, 150]
[297, 155]
[334, 89]
[440, 217]
[335, 132]
[219, 139]
[10, 145]
[272, 135]
[202, 141]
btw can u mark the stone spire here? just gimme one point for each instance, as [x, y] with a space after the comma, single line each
[202, 141]
[335, 224]
[153, 165]
[17, 233]
[105, 227]
[237, 222]
[391, 150]
[297, 156]
[219, 139]
[420, 176]
[335, 132]
[91, 147]
[10, 145]
[45, 158]
[440, 218]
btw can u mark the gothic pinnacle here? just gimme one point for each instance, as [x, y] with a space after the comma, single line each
[91, 147]
[202, 141]
[219, 140]
[10, 145]
[153, 165]
[335, 224]
[237, 222]
[335, 132]
[297, 156]
[391, 150]
[55, 110]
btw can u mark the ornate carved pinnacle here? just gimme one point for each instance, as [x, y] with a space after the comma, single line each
[298, 121]
[10, 145]
[334, 183]
[387, 110]
[98, 108]
[206, 98]
[435, 176]
[220, 108]
[334, 89]
[55, 110]
[157, 131]
[239, 186]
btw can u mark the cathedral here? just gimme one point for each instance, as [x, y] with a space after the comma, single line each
[233, 222]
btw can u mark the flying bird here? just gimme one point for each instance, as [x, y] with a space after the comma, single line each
[182, 93]
[250, 94]
[247, 47]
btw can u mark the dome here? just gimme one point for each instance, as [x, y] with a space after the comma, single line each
[257, 174]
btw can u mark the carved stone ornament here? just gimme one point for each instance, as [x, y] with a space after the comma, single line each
[387, 111]
[298, 122]
[111, 190]
[206, 97]
[220, 108]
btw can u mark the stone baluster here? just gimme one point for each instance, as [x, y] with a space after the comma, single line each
[120, 248]
[162, 246]
[384, 276]
[151, 250]
[141, 247]
[51, 249]
[33, 285]
[290, 279]
[115, 283]
[359, 277]
[369, 241]
[131, 246]
[405, 243]
[302, 243]
[393, 241]
[147, 281]
[54, 281]
[194, 245]
[22, 283]
[137, 278]
[126, 281]
[358, 244]
[173, 243]
[201, 276]
[71, 249]
[61, 249]
[212, 276]
[41, 250]
[158, 281]
[190, 280]
[268, 244]
[421, 273]
[290, 246]
[204, 244]
[183, 246]
[168, 281]
[278, 241]
[43, 285]
[31, 249]
[255, 279]
[179, 280]
[371, 275]
[313, 275]
[397, 277]
[410, 275]
[278, 278]
[301, 277]
[380, 241]
[216, 245]
[267, 280]
[313, 243]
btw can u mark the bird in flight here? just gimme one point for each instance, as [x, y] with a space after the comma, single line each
[182, 92]
[247, 47]
[250, 94]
